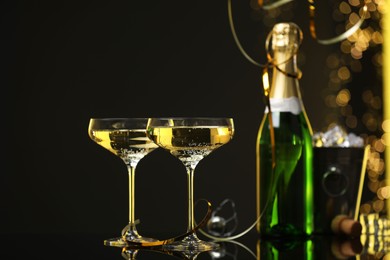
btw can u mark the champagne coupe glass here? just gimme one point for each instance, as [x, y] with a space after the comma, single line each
[190, 140]
[126, 138]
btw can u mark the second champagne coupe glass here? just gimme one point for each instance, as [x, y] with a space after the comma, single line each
[190, 140]
[126, 138]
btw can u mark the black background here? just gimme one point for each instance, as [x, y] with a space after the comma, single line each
[67, 61]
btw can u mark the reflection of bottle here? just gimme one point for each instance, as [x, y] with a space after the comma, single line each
[318, 247]
[284, 192]
[284, 250]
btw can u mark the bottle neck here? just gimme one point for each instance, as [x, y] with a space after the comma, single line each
[285, 95]
[284, 86]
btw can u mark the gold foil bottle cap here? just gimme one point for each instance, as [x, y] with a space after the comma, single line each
[286, 35]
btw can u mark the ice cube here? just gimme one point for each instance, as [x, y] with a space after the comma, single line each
[337, 137]
[354, 140]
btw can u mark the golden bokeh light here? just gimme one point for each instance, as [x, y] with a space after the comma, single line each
[356, 54]
[354, 2]
[332, 61]
[343, 97]
[377, 37]
[367, 96]
[377, 60]
[354, 18]
[351, 121]
[379, 146]
[343, 73]
[383, 193]
[346, 110]
[386, 125]
[376, 102]
[378, 205]
[346, 47]
[345, 8]
[365, 208]
[330, 101]
[371, 6]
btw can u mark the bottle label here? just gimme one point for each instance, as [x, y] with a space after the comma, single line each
[291, 104]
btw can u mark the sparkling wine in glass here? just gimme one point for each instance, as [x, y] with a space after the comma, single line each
[190, 140]
[127, 139]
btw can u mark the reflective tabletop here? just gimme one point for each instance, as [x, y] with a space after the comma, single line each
[90, 246]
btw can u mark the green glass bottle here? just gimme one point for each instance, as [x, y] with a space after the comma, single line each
[284, 190]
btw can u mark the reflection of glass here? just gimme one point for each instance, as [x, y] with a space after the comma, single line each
[126, 138]
[130, 253]
[230, 250]
[190, 140]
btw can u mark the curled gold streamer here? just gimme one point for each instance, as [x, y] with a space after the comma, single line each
[269, 63]
[312, 25]
[273, 5]
[237, 41]
[267, 90]
[339, 38]
[124, 243]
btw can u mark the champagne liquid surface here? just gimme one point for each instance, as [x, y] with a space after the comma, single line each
[130, 145]
[285, 191]
[190, 144]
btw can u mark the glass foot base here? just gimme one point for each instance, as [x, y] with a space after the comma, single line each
[191, 244]
[122, 242]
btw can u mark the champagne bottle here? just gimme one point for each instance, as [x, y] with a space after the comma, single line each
[284, 189]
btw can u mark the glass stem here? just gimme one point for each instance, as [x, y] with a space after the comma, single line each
[131, 170]
[190, 182]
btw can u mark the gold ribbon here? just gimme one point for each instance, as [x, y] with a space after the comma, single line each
[139, 245]
[272, 5]
[339, 38]
[270, 62]
[312, 25]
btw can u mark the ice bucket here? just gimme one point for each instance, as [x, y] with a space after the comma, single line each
[339, 174]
